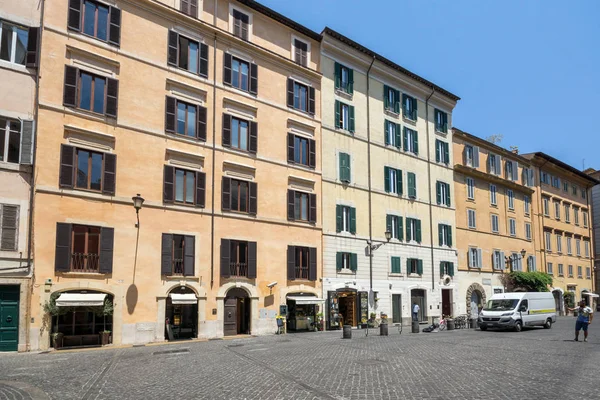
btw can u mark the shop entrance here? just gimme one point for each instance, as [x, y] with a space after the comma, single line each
[348, 308]
[418, 296]
[236, 319]
[447, 302]
[302, 311]
[9, 318]
[181, 314]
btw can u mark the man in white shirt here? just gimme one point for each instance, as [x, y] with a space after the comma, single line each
[584, 317]
[415, 312]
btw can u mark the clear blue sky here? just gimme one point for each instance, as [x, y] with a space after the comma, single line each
[529, 70]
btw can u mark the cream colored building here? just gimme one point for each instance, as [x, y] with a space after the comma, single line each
[212, 116]
[19, 39]
[386, 154]
[495, 218]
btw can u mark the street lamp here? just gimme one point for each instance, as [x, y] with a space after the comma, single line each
[510, 260]
[138, 201]
[372, 248]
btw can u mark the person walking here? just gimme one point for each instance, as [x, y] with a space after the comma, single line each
[584, 319]
[415, 312]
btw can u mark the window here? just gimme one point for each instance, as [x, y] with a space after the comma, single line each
[411, 141]
[443, 193]
[527, 201]
[579, 271]
[576, 214]
[471, 156]
[302, 97]
[567, 213]
[446, 268]
[344, 116]
[302, 151]
[527, 231]
[347, 261]
[409, 106]
[574, 188]
[240, 24]
[13, 43]
[558, 243]
[586, 247]
[588, 273]
[302, 206]
[240, 196]
[475, 258]
[10, 140]
[9, 227]
[441, 121]
[531, 264]
[392, 180]
[302, 263]
[548, 241]
[87, 170]
[471, 219]
[509, 169]
[445, 235]
[583, 194]
[392, 134]
[512, 223]
[185, 186]
[549, 268]
[493, 199]
[495, 227]
[528, 179]
[414, 266]
[345, 169]
[498, 261]
[565, 186]
[544, 177]
[86, 248]
[561, 271]
[556, 182]
[301, 52]
[302, 257]
[578, 247]
[412, 185]
[511, 199]
[557, 210]
[189, 7]
[344, 78]
[546, 202]
[238, 258]
[494, 164]
[584, 216]
[240, 134]
[570, 270]
[240, 71]
[394, 226]
[188, 187]
[396, 265]
[442, 154]
[90, 92]
[78, 249]
[517, 262]
[391, 99]
[413, 230]
[569, 247]
[175, 254]
[96, 20]
[185, 119]
[470, 188]
[345, 219]
[192, 56]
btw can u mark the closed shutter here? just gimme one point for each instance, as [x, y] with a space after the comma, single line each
[169, 184]
[337, 114]
[189, 256]
[412, 185]
[475, 157]
[388, 223]
[226, 194]
[386, 177]
[32, 48]
[311, 100]
[386, 101]
[441, 234]
[502, 261]
[112, 94]
[253, 78]
[339, 215]
[400, 228]
[252, 254]
[225, 258]
[415, 138]
[27, 129]
[312, 266]
[396, 267]
[226, 136]
[253, 198]
[312, 153]
[338, 75]
[253, 145]
[201, 131]
[110, 174]
[408, 232]
[515, 171]
[170, 110]
[173, 53]
[405, 143]
[200, 189]
[479, 259]
[107, 238]
[386, 132]
[203, 60]
[62, 255]
[438, 151]
[313, 208]
[446, 154]
[420, 267]
[353, 262]
[74, 18]
[8, 239]
[166, 254]
[352, 220]
[438, 192]
[67, 166]
[447, 194]
[418, 231]
[442, 264]
[350, 88]
[290, 93]
[291, 195]
[398, 137]
[290, 148]
[291, 263]
[399, 185]
[70, 89]
[449, 238]
[351, 117]
[408, 261]
[498, 165]
[114, 35]
[339, 261]
[451, 268]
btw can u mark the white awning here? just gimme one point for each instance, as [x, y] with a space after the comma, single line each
[590, 294]
[306, 300]
[80, 299]
[183, 298]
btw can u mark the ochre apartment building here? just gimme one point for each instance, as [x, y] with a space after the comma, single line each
[208, 110]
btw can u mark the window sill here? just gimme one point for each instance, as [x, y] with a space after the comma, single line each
[300, 165]
[441, 132]
[15, 67]
[182, 136]
[180, 277]
[91, 114]
[346, 272]
[346, 131]
[88, 274]
[409, 120]
[344, 94]
[395, 275]
[496, 233]
[414, 276]
[494, 205]
[8, 166]
[391, 113]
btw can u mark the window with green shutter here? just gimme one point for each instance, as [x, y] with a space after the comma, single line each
[413, 230]
[411, 141]
[441, 121]
[391, 99]
[442, 191]
[393, 134]
[442, 154]
[445, 235]
[396, 265]
[344, 167]
[446, 268]
[392, 180]
[345, 219]
[347, 261]
[344, 78]
[344, 116]
[414, 266]
[412, 185]
[409, 106]
[394, 226]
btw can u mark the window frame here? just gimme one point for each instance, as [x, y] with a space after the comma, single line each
[86, 253]
[512, 227]
[548, 239]
[511, 199]
[441, 121]
[579, 272]
[240, 75]
[238, 207]
[306, 56]
[557, 210]
[561, 270]
[527, 204]
[92, 96]
[299, 196]
[5, 146]
[493, 195]
[186, 173]
[559, 243]
[232, 22]
[97, 4]
[238, 133]
[570, 270]
[13, 46]
[470, 212]
[494, 217]
[546, 206]
[89, 170]
[470, 188]
[234, 248]
[569, 245]
[297, 95]
[302, 253]
[414, 266]
[578, 247]
[474, 257]
[445, 234]
[187, 119]
[17, 209]
[528, 231]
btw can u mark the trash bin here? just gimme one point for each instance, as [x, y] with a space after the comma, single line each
[383, 329]
[450, 324]
[415, 327]
[347, 332]
[474, 324]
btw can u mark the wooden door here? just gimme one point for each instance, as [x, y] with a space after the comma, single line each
[446, 302]
[9, 318]
[351, 314]
[230, 325]
[396, 308]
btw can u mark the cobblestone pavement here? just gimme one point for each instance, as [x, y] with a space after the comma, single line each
[462, 364]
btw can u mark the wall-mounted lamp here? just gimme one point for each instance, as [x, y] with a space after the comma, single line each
[373, 247]
[138, 201]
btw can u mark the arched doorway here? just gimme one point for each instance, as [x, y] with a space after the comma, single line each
[558, 301]
[237, 313]
[417, 296]
[181, 314]
[475, 299]
[476, 303]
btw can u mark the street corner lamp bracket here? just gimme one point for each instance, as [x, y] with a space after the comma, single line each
[373, 247]
[138, 201]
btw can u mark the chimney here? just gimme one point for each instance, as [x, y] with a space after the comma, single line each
[514, 149]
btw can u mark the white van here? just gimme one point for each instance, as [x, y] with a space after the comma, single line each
[517, 310]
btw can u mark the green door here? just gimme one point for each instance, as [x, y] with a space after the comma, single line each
[9, 318]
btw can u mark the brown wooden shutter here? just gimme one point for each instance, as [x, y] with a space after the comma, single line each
[114, 33]
[27, 129]
[169, 184]
[226, 194]
[253, 142]
[194, 8]
[297, 52]
[74, 15]
[200, 189]
[226, 136]
[311, 100]
[290, 92]
[253, 78]
[312, 154]
[62, 255]
[227, 69]
[225, 258]
[189, 256]
[291, 197]
[173, 55]
[170, 109]
[107, 238]
[8, 240]
[253, 198]
[67, 166]
[313, 208]
[110, 174]
[32, 48]
[290, 148]
[252, 260]
[70, 90]
[291, 263]
[204, 60]
[201, 131]
[312, 267]
[112, 94]
[166, 258]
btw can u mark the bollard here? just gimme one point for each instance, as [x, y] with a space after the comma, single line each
[383, 329]
[474, 323]
[347, 332]
[450, 324]
[415, 327]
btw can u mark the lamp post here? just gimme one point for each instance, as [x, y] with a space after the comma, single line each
[138, 201]
[510, 259]
[372, 248]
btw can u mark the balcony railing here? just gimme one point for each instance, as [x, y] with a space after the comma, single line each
[85, 262]
[178, 266]
[238, 269]
[301, 272]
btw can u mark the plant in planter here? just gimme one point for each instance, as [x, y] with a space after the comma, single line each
[320, 321]
[51, 309]
[363, 323]
[106, 310]
[57, 340]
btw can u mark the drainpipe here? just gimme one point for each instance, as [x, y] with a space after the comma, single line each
[541, 212]
[591, 245]
[369, 182]
[430, 194]
[214, 132]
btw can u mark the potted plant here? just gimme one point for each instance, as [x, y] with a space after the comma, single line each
[363, 323]
[52, 310]
[104, 310]
[371, 321]
[105, 337]
[57, 340]
[320, 321]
